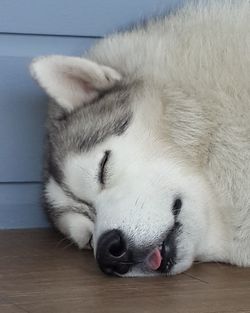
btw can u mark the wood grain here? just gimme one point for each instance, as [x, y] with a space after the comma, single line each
[41, 272]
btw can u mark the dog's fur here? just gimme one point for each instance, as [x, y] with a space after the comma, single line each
[171, 101]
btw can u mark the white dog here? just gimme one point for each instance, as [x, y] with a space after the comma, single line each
[148, 149]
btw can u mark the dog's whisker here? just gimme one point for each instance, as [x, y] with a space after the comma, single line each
[60, 242]
[68, 245]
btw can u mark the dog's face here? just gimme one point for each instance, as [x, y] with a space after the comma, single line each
[112, 171]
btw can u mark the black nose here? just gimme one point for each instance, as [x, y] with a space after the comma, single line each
[112, 254]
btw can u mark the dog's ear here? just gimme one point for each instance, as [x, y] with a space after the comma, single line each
[72, 81]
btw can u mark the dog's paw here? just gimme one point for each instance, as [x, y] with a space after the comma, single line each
[76, 227]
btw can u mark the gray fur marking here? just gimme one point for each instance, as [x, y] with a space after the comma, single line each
[85, 127]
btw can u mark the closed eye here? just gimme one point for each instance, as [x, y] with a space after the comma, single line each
[103, 168]
[177, 206]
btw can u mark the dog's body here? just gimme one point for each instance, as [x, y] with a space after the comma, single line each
[167, 106]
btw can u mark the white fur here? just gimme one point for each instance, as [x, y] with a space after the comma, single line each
[190, 136]
[76, 227]
[73, 225]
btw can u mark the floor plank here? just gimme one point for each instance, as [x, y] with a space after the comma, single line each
[10, 308]
[41, 273]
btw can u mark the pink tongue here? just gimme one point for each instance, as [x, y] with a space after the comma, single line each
[154, 259]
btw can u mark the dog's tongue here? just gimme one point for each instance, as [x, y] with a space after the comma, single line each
[154, 259]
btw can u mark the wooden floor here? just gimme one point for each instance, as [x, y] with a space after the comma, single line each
[41, 273]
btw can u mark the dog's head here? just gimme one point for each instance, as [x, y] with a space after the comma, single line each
[113, 173]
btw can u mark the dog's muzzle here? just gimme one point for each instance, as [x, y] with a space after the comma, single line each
[115, 257]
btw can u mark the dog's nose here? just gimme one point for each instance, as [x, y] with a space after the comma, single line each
[112, 254]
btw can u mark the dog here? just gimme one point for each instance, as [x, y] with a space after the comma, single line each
[147, 157]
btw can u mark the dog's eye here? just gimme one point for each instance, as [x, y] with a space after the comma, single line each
[103, 168]
[177, 206]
